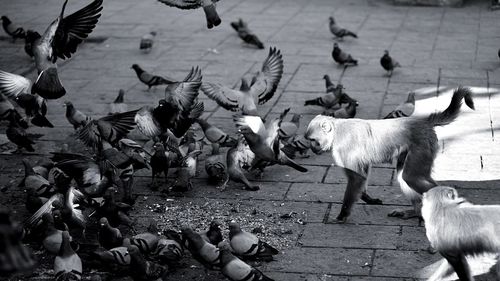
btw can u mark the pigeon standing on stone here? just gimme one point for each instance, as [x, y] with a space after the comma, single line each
[247, 245]
[348, 111]
[160, 163]
[7, 109]
[13, 31]
[246, 34]
[213, 18]
[147, 42]
[342, 57]
[215, 167]
[236, 159]
[67, 264]
[329, 86]
[405, 109]
[338, 31]
[74, 116]
[216, 135]
[17, 135]
[237, 270]
[118, 105]
[388, 63]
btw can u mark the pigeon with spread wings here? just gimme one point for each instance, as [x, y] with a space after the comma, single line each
[264, 142]
[19, 89]
[110, 128]
[61, 40]
[261, 89]
[213, 18]
[177, 112]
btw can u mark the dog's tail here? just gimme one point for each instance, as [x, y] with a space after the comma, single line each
[451, 113]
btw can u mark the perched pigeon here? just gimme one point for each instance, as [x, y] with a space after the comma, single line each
[338, 31]
[118, 105]
[147, 42]
[149, 79]
[246, 34]
[17, 135]
[118, 255]
[75, 117]
[34, 181]
[405, 109]
[53, 239]
[348, 111]
[299, 144]
[143, 270]
[169, 249]
[109, 237]
[247, 245]
[213, 234]
[342, 57]
[264, 142]
[146, 241]
[332, 98]
[237, 270]
[288, 129]
[61, 40]
[236, 159]
[329, 86]
[216, 135]
[187, 170]
[20, 89]
[215, 167]
[115, 212]
[261, 89]
[204, 252]
[14, 31]
[388, 63]
[67, 264]
[160, 163]
[208, 7]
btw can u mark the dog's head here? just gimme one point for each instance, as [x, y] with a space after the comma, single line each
[320, 133]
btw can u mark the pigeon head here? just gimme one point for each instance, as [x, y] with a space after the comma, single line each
[234, 227]
[332, 20]
[137, 68]
[386, 52]
[6, 20]
[153, 33]
[103, 222]
[31, 35]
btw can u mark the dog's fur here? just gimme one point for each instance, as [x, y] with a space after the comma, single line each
[356, 144]
[457, 228]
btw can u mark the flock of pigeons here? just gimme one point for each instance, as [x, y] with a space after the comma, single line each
[68, 192]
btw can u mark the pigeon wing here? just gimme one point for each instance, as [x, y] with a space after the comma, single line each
[12, 85]
[182, 4]
[222, 95]
[268, 79]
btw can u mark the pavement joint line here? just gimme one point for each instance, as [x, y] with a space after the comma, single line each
[438, 33]
[287, 190]
[399, 29]
[327, 213]
[372, 262]
[326, 173]
[361, 248]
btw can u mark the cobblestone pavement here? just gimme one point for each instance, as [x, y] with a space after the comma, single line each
[437, 47]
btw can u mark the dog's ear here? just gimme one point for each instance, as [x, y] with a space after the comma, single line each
[326, 126]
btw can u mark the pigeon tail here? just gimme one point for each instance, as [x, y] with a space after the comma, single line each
[212, 16]
[48, 85]
[316, 101]
[350, 33]
[284, 160]
[41, 121]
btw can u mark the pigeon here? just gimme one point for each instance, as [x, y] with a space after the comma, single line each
[160, 163]
[14, 256]
[260, 90]
[147, 42]
[177, 112]
[75, 117]
[288, 130]
[216, 135]
[213, 234]
[187, 170]
[17, 135]
[264, 142]
[67, 264]
[147, 241]
[246, 34]
[7, 110]
[118, 106]
[61, 40]
[342, 57]
[118, 255]
[330, 87]
[169, 249]
[237, 158]
[143, 270]
[149, 79]
[215, 167]
[348, 111]
[247, 245]
[34, 181]
[109, 237]
[29, 41]
[43, 167]
[53, 237]
[237, 270]
[20, 89]
[204, 252]
[110, 128]
[338, 31]
[299, 144]
[405, 109]
[136, 152]
[213, 18]
[388, 63]
[67, 211]
[332, 98]
[115, 212]
[13, 31]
